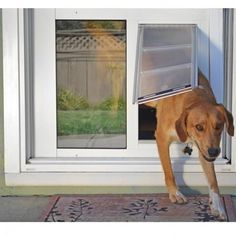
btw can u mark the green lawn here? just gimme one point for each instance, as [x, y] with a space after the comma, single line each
[91, 122]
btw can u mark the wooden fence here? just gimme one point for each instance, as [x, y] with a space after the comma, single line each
[92, 64]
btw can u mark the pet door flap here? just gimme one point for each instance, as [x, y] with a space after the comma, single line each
[166, 61]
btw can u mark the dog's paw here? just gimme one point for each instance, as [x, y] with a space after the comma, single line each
[217, 208]
[177, 197]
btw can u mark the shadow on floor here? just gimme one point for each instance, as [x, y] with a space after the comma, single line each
[178, 164]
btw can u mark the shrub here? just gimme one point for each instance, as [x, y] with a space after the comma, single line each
[67, 100]
[112, 104]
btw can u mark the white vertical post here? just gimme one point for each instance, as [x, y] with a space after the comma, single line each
[217, 53]
[45, 83]
[132, 110]
[233, 149]
[11, 91]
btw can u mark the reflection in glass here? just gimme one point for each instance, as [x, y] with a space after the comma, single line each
[91, 83]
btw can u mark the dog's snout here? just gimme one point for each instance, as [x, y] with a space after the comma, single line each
[213, 152]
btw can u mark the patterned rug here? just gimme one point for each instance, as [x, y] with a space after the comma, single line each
[136, 208]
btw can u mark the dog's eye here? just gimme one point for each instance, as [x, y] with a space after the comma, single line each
[199, 127]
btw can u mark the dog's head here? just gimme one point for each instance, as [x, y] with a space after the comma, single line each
[204, 123]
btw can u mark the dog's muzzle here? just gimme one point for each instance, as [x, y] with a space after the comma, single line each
[209, 159]
[213, 152]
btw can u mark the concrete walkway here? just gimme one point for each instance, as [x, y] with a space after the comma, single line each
[22, 209]
[92, 141]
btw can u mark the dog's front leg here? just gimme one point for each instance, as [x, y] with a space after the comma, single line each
[216, 205]
[163, 147]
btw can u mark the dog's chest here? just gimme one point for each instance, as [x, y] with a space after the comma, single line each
[174, 137]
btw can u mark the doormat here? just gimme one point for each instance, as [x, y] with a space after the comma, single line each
[132, 208]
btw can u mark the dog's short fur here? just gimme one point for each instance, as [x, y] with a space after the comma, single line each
[194, 117]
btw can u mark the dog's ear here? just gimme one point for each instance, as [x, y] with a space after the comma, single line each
[228, 119]
[180, 126]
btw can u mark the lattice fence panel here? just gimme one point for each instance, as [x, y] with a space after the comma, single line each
[83, 62]
[90, 41]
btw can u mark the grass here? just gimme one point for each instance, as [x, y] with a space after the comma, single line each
[91, 122]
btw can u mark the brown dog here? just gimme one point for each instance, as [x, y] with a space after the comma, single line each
[192, 117]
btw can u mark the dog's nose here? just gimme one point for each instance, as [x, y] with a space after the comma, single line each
[213, 152]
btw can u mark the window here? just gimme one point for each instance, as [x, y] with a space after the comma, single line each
[42, 53]
[91, 83]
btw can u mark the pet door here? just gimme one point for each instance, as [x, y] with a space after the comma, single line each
[166, 60]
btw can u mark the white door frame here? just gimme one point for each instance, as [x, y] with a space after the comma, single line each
[48, 170]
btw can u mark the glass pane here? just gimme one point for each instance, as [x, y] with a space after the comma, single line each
[91, 83]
